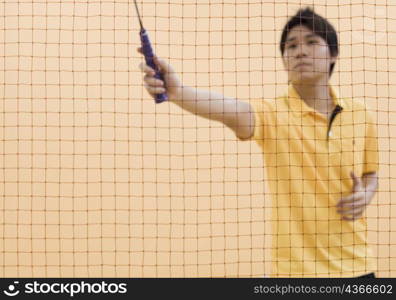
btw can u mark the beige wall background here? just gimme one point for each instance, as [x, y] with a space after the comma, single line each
[97, 180]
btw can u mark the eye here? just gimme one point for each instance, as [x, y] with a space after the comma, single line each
[291, 46]
[312, 42]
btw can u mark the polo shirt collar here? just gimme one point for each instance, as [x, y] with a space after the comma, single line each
[298, 105]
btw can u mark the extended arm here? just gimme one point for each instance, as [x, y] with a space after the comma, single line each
[235, 114]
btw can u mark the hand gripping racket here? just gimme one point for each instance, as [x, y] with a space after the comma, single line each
[149, 57]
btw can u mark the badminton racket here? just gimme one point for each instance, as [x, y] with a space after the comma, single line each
[149, 56]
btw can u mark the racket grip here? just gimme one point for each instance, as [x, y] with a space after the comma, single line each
[149, 57]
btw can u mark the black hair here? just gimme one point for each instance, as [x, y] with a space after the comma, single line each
[318, 25]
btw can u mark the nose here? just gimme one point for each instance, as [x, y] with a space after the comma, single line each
[302, 50]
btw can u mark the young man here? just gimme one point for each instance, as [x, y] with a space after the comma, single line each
[320, 153]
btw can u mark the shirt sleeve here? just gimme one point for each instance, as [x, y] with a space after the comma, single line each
[371, 159]
[261, 111]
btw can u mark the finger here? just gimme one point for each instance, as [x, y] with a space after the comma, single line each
[162, 65]
[352, 217]
[157, 63]
[351, 201]
[352, 211]
[155, 90]
[348, 199]
[139, 49]
[354, 214]
[360, 202]
[145, 68]
[354, 197]
[152, 81]
[345, 200]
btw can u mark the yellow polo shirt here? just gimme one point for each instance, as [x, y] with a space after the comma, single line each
[308, 171]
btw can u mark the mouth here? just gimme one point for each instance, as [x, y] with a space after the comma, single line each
[301, 65]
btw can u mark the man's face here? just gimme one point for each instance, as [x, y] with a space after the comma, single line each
[306, 56]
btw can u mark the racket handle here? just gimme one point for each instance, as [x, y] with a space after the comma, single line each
[149, 57]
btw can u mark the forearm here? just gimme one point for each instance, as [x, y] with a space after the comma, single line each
[235, 114]
[211, 105]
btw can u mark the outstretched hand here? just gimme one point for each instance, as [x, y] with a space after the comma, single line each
[172, 84]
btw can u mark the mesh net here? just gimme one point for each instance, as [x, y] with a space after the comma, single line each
[97, 180]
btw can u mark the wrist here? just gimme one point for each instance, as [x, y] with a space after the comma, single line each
[177, 94]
